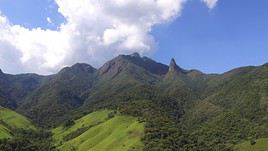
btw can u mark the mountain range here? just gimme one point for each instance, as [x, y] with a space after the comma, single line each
[181, 109]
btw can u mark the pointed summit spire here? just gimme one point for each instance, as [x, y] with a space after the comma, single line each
[1, 73]
[173, 66]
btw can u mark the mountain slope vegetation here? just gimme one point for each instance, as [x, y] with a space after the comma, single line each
[10, 120]
[18, 133]
[14, 88]
[180, 109]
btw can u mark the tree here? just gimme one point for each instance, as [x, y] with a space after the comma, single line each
[68, 123]
[252, 142]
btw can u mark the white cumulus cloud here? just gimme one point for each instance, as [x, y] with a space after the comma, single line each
[94, 31]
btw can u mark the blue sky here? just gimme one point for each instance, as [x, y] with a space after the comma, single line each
[233, 34]
[31, 13]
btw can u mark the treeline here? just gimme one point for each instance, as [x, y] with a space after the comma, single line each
[28, 140]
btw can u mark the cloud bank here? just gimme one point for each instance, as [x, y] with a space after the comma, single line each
[94, 32]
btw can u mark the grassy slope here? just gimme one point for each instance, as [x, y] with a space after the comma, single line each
[11, 119]
[120, 133]
[4, 132]
[261, 145]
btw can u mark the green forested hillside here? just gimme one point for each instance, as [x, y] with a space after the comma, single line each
[59, 95]
[14, 88]
[100, 131]
[180, 109]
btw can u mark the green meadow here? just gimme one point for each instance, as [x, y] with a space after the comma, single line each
[260, 145]
[99, 131]
[10, 119]
[4, 132]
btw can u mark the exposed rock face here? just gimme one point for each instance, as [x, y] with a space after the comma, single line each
[113, 67]
[121, 62]
[173, 67]
[266, 64]
[147, 63]
[1, 73]
[154, 67]
[83, 67]
[2, 79]
[135, 55]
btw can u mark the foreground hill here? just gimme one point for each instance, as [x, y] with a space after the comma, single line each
[62, 93]
[100, 131]
[10, 120]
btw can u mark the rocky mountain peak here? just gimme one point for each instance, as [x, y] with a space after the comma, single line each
[1, 73]
[83, 67]
[173, 66]
[135, 54]
[123, 62]
[113, 66]
[78, 68]
[266, 64]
